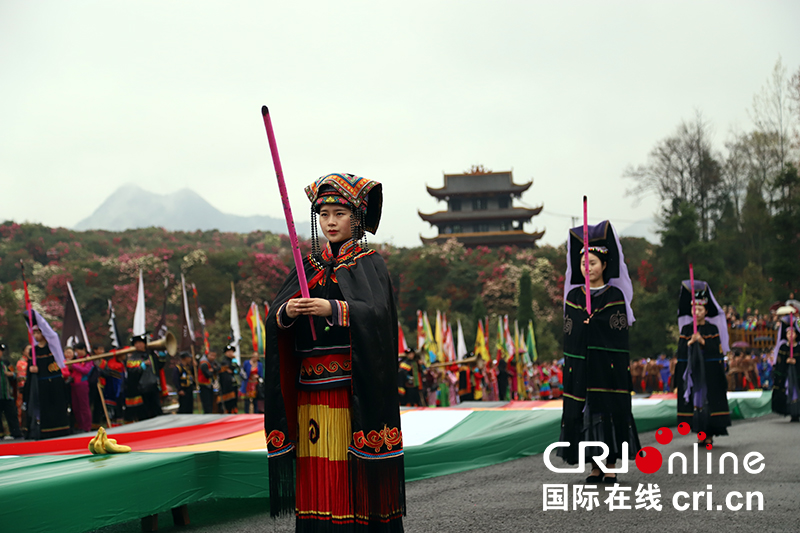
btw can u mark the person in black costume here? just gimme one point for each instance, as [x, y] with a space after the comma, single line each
[206, 376]
[8, 406]
[700, 372]
[228, 398]
[332, 416]
[785, 387]
[409, 379]
[52, 396]
[183, 381]
[597, 380]
[142, 383]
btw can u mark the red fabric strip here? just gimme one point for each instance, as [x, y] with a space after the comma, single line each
[226, 428]
[323, 488]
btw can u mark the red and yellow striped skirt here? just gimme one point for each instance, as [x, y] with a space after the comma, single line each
[323, 474]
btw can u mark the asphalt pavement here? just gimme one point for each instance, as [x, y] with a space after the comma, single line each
[509, 496]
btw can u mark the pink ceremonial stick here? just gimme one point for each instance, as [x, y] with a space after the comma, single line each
[586, 256]
[691, 282]
[287, 212]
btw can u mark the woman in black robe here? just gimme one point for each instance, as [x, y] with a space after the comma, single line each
[785, 387]
[332, 416]
[52, 389]
[597, 380]
[700, 372]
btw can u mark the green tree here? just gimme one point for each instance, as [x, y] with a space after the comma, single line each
[786, 230]
[756, 230]
[525, 299]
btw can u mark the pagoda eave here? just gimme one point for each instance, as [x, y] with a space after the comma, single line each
[490, 238]
[515, 189]
[514, 213]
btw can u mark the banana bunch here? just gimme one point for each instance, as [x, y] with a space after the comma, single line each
[101, 444]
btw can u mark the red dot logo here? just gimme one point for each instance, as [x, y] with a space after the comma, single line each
[664, 436]
[683, 428]
[701, 435]
[648, 460]
[708, 446]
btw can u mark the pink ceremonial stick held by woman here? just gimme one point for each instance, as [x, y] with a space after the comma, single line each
[586, 256]
[287, 212]
[691, 282]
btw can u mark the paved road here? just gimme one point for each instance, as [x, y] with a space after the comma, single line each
[508, 497]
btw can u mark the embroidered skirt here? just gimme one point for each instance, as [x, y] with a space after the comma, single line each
[324, 495]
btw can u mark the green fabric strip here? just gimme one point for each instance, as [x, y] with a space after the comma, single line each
[135, 485]
[577, 399]
[610, 304]
[608, 349]
[575, 356]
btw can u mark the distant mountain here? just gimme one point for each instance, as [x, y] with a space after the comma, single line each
[646, 228]
[131, 207]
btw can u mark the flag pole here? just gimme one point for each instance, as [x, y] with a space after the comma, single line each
[586, 256]
[33, 394]
[691, 282]
[287, 212]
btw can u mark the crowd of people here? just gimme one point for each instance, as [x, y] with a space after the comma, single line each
[421, 384]
[475, 379]
[125, 387]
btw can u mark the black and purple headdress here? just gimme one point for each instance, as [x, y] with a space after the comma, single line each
[714, 312]
[604, 243]
[783, 324]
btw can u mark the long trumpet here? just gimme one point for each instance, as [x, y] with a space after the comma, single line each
[170, 343]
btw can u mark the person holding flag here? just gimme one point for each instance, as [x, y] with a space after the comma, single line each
[49, 372]
[597, 317]
[331, 391]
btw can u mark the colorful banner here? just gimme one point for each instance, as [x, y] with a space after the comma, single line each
[257, 328]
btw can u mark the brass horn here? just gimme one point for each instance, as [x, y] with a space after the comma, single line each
[168, 343]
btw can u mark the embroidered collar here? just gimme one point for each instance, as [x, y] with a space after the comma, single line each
[347, 249]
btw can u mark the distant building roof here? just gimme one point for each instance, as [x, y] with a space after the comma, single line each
[481, 184]
[512, 213]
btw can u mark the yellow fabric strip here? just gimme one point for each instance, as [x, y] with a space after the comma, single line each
[329, 437]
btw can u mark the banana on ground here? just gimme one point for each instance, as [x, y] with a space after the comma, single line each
[101, 444]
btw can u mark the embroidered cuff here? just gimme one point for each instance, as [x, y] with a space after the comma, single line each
[283, 320]
[340, 314]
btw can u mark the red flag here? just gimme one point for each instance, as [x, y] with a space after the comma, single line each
[402, 347]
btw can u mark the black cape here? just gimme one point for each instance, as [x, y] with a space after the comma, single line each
[597, 377]
[376, 448]
[709, 375]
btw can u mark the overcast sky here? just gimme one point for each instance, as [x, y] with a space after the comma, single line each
[168, 94]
